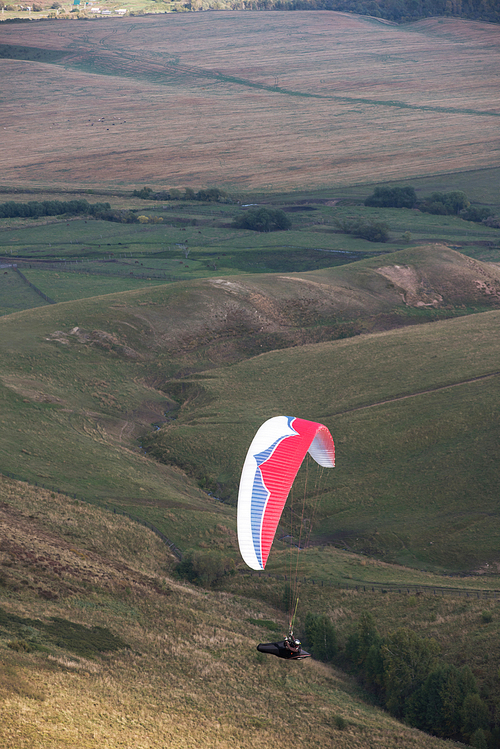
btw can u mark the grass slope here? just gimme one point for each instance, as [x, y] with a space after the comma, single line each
[81, 381]
[187, 673]
[414, 418]
[303, 99]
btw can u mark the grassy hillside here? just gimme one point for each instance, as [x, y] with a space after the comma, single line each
[82, 381]
[413, 415]
[100, 646]
[305, 99]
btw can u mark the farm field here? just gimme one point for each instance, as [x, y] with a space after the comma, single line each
[247, 101]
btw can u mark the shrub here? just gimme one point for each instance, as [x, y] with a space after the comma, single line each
[474, 714]
[478, 739]
[373, 231]
[476, 214]
[20, 646]
[263, 219]
[205, 568]
[392, 197]
[408, 660]
[445, 203]
[340, 722]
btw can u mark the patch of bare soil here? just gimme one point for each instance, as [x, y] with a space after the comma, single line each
[415, 291]
[98, 338]
[31, 389]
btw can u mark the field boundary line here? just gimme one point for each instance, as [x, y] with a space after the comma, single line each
[416, 394]
[35, 288]
[372, 587]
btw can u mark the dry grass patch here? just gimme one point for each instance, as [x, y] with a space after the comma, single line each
[190, 677]
[304, 98]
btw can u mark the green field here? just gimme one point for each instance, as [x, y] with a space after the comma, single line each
[105, 369]
[73, 258]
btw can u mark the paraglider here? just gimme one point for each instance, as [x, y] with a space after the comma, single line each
[271, 465]
[289, 648]
[273, 460]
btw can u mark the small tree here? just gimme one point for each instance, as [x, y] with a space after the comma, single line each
[361, 640]
[321, 636]
[408, 660]
[392, 197]
[205, 568]
[474, 714]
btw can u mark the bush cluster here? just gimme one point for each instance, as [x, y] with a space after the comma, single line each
[263, 219]
[205, 568]
[455, 203]
[321, 637]
[404, 671]
[392, 197]
[445, 203]
[373, 231]
[36, 209]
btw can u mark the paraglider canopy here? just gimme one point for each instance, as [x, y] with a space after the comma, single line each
[270, 467]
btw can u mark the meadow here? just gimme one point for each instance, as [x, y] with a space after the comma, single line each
[106, 369]
[69, 258]
[247, 101]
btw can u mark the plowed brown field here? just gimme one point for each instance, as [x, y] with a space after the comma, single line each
[248, 100]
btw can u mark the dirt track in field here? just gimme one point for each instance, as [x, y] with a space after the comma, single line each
[249, 100]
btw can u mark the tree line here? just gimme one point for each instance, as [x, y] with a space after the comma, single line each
[210, 195]
[37, 209]
[405, 674]
[454, 203]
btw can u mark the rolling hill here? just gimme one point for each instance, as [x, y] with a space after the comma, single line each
[303, 99]
[82, 381]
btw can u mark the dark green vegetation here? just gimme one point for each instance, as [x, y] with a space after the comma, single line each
[263, 219]
[32, 633]
[392, 197]
[407, 674]
[36, 209]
